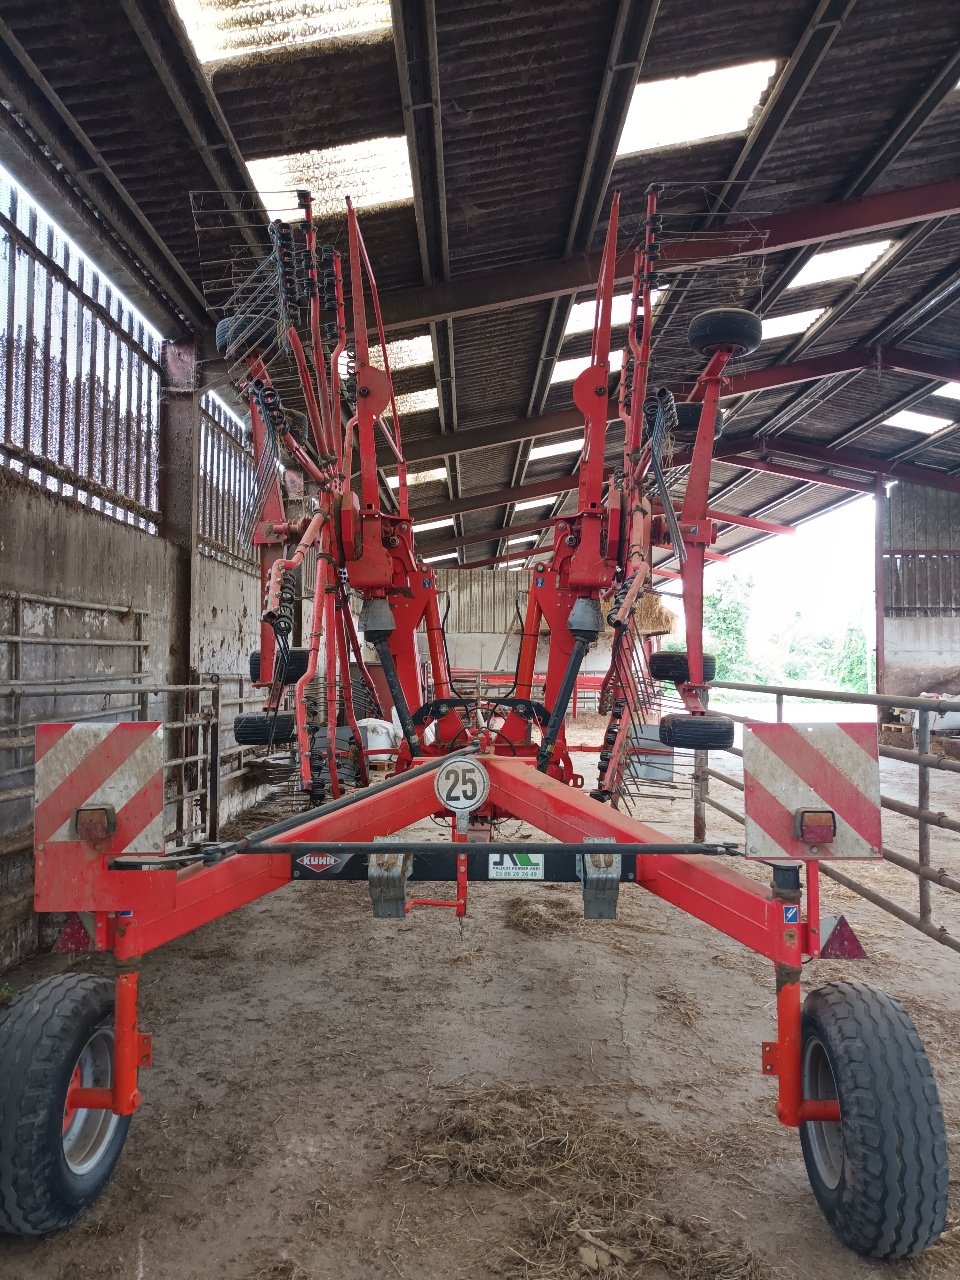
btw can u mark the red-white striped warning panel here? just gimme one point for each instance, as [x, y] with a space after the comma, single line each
[798, 773]
[82, 766]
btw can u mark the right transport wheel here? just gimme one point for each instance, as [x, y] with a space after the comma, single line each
[708, 732]
[880, 1174]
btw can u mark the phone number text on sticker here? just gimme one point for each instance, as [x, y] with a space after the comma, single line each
[516, 866]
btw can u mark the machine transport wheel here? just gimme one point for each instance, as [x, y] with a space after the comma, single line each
[710, 732]
[688, 420]
[253, 728]
[880, 1175]
[55, 1160]
[236, 335]
[667, 665]
[723, 329]
[296, 666]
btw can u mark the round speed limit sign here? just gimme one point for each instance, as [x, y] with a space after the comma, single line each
[462, 784]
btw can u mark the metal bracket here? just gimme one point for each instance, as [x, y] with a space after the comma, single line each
[144, 1049]
[600, 874]
[770, 1057]
[387, 875]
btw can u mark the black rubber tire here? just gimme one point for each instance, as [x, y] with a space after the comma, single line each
[710, 732]
[725, 328]
[253, 729]
[890, 1199]
[668, 665]
[297, 662]
[688, 420]
[237, 335]
[43, 1032]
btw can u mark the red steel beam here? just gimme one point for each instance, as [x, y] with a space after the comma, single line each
[498, 498]
[499, 288]
[542, 552]
[924, 366]
[512, 530]
[860, 460]
[515, 430]
[797, 473]
[504, 559]
[849, 459]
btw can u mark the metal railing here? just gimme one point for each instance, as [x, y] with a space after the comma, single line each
[225, 484]
[79, 373]
[926, 818]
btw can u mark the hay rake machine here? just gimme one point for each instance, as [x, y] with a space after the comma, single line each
[851, 1073]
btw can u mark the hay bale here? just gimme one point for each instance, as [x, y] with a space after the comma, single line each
[652, 616]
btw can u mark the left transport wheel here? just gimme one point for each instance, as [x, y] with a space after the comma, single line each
[55, 1159]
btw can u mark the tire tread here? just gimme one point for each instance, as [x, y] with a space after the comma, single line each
[895, 1203]
[36, 1030]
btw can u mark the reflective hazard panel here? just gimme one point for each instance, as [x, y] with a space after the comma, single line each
[796, 776]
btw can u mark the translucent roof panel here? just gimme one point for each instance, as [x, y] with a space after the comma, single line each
[554, 450]
[372, 173]
[419, 477]
[666, 113]
[427, 525]
[222, 29]
[405, 353]
[417, 401]
[839, 264]
[950, 390]
[783, 326]
[531, 503]
[573, 366]
[910, 420]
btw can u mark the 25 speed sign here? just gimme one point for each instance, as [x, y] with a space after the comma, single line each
[462, 784]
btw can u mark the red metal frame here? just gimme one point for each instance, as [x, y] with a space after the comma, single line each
[605, 548]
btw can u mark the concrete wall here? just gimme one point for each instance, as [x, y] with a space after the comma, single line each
[226, 612]
[52, 547]
[488, 652]
[922, 655]
[921, 555]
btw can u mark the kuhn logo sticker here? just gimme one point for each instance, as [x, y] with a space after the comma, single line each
[318, 861]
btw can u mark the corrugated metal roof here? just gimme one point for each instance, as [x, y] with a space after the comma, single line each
[515, 104]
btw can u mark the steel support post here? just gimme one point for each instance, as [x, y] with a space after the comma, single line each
[178, 473]
[923, 804]
[879, 579]
[701, 782]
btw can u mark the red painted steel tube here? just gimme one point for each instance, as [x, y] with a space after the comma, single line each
[329, 421]
[346, 686]
[123, 1097]
[318, 426]
[590, 387]
[329, 608]
[355, 648]
[299, 701]
[126, 1045]
[364, 419]
[789, 1049]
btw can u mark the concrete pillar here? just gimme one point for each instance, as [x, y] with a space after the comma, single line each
[178, 475]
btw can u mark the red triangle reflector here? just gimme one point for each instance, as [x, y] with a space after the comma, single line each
[73, 936]
[838, 941]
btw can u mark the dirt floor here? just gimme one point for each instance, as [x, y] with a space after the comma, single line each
[340, 1097]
